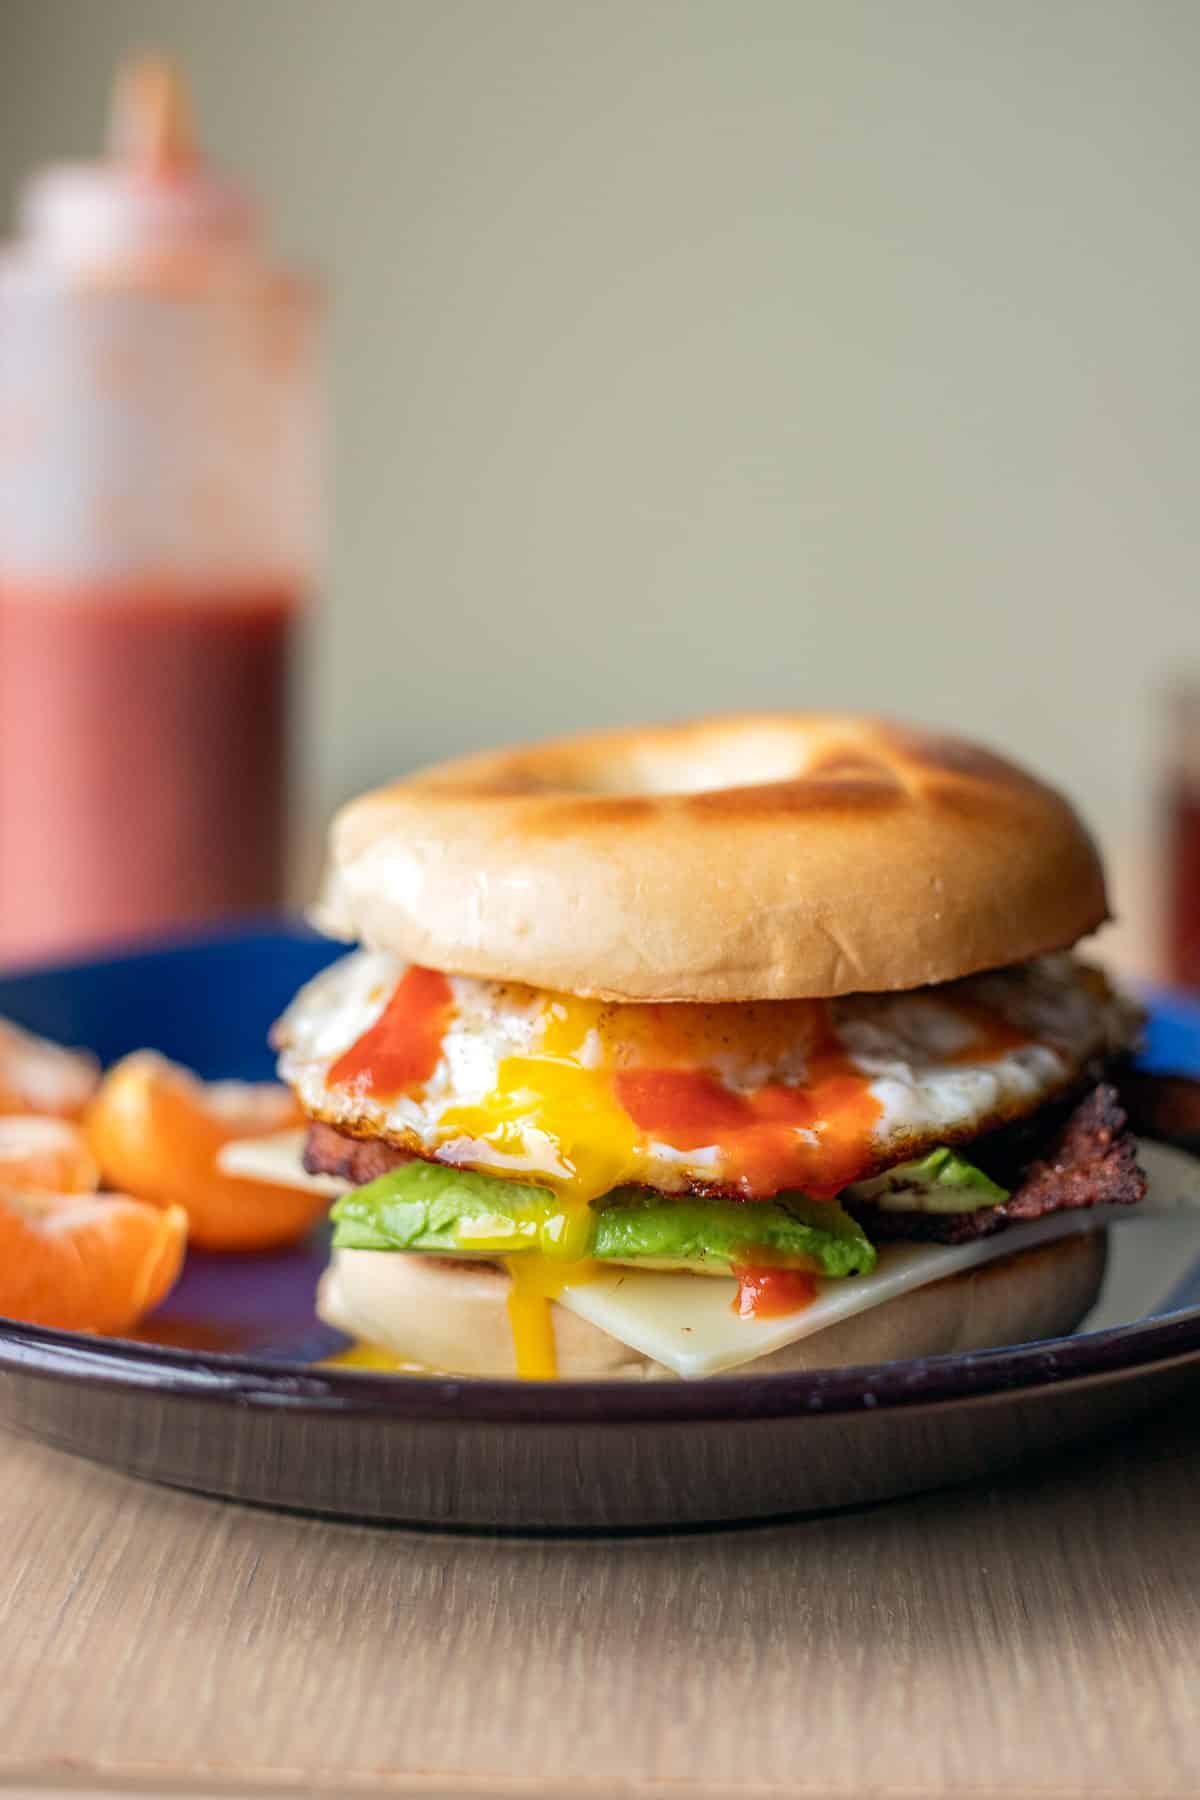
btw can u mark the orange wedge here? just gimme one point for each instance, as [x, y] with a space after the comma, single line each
[86, 1262]
[51, 1154]
[40, 1077]
[156, 1132]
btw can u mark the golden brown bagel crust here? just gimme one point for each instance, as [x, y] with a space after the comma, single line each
[760, 857]
[433, 1313]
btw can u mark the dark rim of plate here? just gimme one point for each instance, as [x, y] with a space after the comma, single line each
[296, 1387]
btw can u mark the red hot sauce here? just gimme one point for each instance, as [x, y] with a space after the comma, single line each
[400, 1051]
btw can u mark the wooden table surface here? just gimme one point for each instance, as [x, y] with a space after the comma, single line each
[1039, 1634]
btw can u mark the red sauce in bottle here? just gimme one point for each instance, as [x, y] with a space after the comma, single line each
[401, 1049]
[143, 759]
[769, 1293]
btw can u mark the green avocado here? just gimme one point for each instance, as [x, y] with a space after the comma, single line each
[942, 1182]
[789, 1231]
[454, 1212]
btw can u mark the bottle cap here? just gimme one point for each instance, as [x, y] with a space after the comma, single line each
[153, 193]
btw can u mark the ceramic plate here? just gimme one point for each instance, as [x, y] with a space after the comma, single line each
[220, 1392]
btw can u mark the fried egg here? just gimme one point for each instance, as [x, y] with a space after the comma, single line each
[748, 1099]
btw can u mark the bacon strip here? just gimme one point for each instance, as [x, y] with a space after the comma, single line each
[1092, 1161]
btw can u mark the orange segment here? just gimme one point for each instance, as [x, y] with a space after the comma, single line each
[40, 1077]
[50, 1154]
[156, 1132]
[86, 1262]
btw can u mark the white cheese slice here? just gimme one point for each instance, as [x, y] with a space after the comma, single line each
[277, 1158]
[690, 1324]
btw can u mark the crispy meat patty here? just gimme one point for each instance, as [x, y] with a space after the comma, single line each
[328, 1151]
[1090, 1159]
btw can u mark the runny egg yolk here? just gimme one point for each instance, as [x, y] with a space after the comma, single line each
[537, 1280]
[607, 1078]
[592, 1139]
[572, 1106]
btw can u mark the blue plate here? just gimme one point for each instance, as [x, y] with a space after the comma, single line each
[219, 1392]
[207, 1001]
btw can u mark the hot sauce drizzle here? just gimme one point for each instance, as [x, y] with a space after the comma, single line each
[400, 1051]
[769, 1293]
[817, 1137]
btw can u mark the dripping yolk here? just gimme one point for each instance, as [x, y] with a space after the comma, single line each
[571, 1106]
[537, 1280]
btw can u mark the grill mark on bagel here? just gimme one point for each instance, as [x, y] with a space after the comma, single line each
[825, 799]
[928, 752]
[547, 819]
[831, 795]
[975, 804]
[875, 751]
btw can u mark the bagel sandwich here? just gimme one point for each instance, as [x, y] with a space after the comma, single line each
[750, 1043]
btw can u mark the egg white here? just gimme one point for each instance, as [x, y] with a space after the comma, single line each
[904, 1044]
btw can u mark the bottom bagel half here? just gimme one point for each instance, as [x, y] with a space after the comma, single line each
[441, 1314]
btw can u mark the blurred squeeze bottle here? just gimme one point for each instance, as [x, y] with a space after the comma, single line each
[159, 530]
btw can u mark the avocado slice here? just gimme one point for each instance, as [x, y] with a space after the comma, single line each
[432, 1208]
[942, 1182]
[790, 1231]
